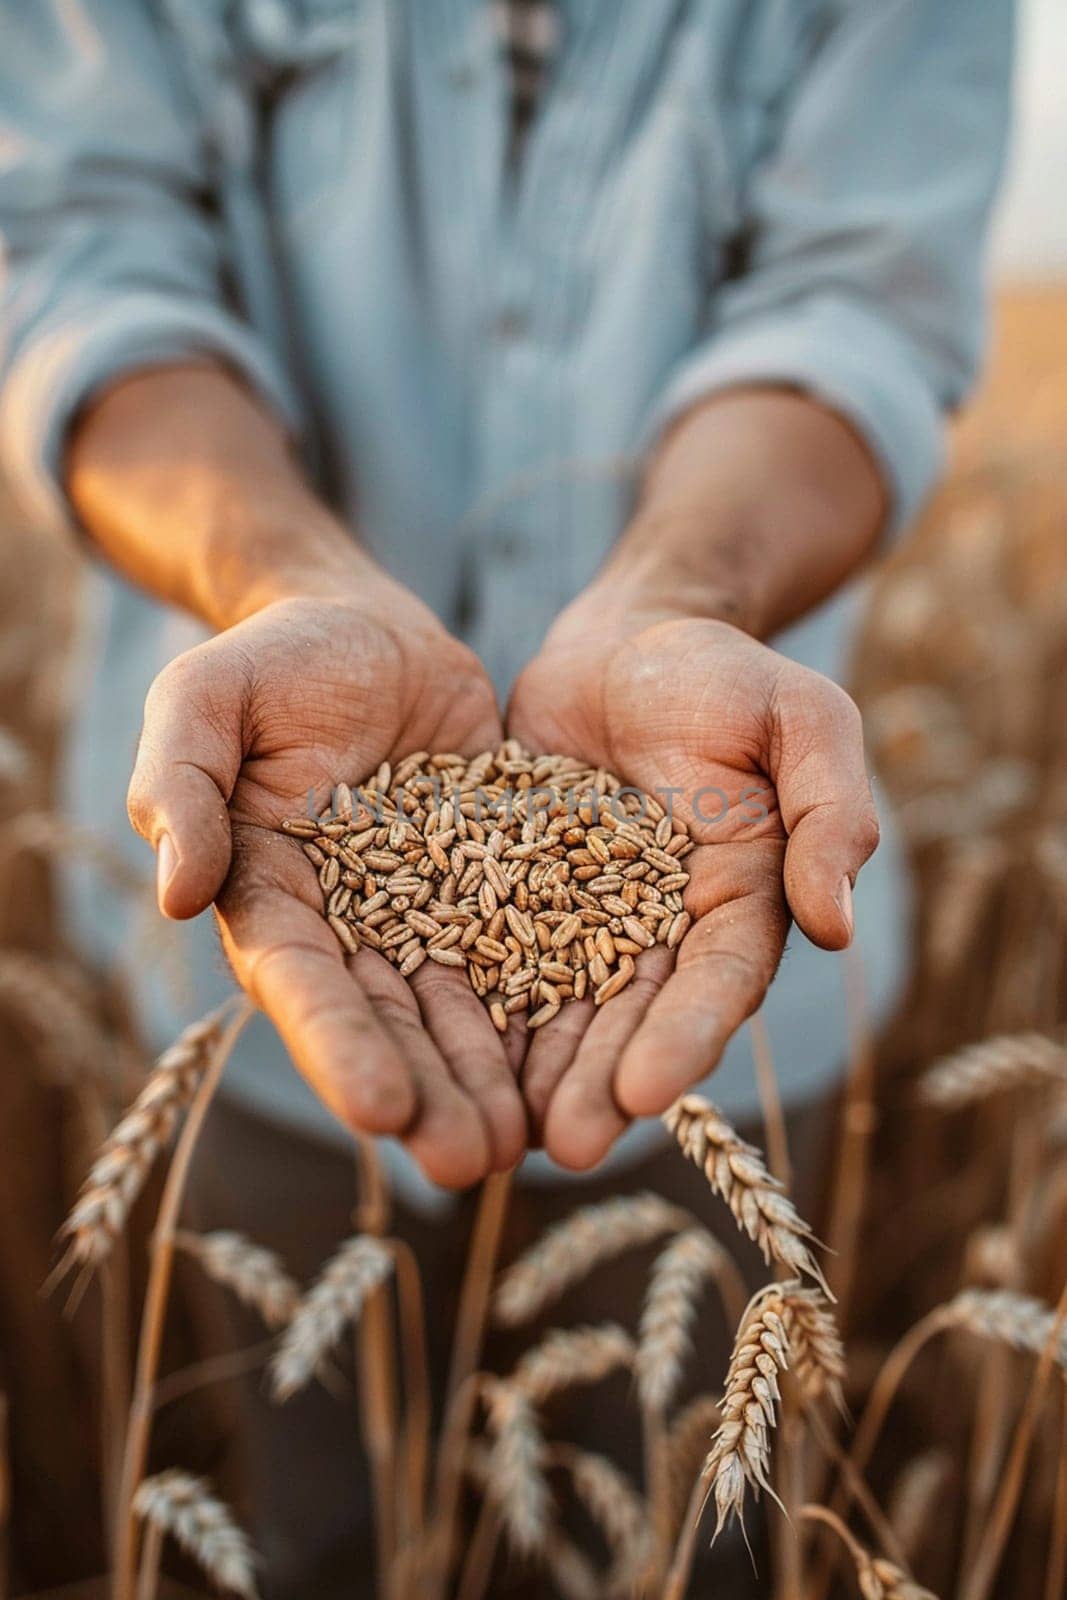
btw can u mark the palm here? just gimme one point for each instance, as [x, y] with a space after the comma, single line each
[321, 694]
[690, 708]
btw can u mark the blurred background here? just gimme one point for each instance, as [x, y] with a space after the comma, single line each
[961, 670]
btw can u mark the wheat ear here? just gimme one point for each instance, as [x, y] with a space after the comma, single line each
[569, 1356]
[680, 1271]
[517, 1457]
[1008, 1318]
[572, 1574]
[570, 1250]
[333, 1302]
[52, 1002]
[738, 1175]
[917, 1492]
[1009, 1061]
[119, 1172]
[619, 1512]
[256, 1275]
[687, 1448]
[740, 1454]
[184, 1507]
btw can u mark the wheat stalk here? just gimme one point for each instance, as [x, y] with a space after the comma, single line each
[333, 1302]
[679, 1273]
[184, 1507]
[1009, 1061]
[569, 1356]
[119, 1172]
[878, 1579]
[737, 1174]
[256, 1275]
[570, 1250]
[517, 1457]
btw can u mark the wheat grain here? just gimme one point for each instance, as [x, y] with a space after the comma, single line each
[569, 1356]
[737, 1173]
[255, 1274]
[184, 1507]
[334, 1301]
[518, 914]
[1009, 1061]
[517, 1458]
[118, 1174]
[570, 1250]
[678, 1274]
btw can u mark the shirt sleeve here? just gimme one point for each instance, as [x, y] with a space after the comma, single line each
[863, 276]
[112, 257]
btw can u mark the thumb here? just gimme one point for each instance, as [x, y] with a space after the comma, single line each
[826, 804]
[188, 758]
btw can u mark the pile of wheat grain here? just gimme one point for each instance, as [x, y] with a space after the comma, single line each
[540, 877]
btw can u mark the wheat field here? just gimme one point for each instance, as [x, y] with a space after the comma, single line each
[891, 1421]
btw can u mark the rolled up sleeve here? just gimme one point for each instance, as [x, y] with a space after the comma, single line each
[863, 267]
[113, 255]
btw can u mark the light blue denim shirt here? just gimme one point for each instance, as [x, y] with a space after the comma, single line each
[714, 192]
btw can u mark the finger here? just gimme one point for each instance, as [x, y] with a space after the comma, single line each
[449, 1137]
[583, 1118]
[325, 1020]
[725, 965]
[826, 805]
[550, 1052]
[461, 1028]
[187, 762]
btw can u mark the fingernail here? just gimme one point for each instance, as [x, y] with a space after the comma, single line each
[844, 900]
[166, 865]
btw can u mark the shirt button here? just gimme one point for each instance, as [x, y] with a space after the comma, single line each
[510, 324]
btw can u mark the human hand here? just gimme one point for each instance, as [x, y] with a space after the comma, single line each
[305, 693]
[683, 705]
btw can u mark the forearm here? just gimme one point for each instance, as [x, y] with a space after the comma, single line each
[756, 506]
[188, 486]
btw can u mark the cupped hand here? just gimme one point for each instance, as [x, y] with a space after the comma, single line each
[762, 760]
[304, 694]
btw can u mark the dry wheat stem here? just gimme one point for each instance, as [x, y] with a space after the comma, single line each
[118, 1174]
[375, 1360]
[417, 1402]
[571, 1249]
[552, 900]
[333, 1303]
[1056, 1574]
[182, 1506]
[878, 1579]
[979, 1580]
[1016, 1320]
[255, 1274]
[210, 1066]
[461, 1390]
[1009, 1061]
[737, 1174]
[689, 1260]
[569, 1356]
